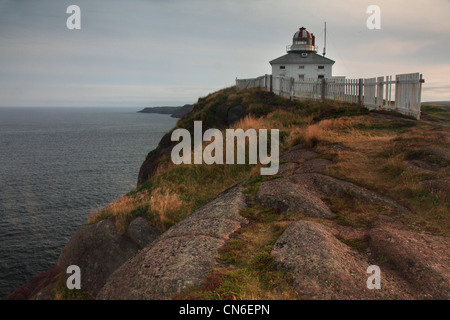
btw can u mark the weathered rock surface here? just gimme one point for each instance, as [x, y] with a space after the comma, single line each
[287, 168]
[314, 166]
[98, 250]
[322, 185]
[303, 192]
[422, 166]
[325, 268]
[422, 259]
[297, 153]
[180, 257]
[226, 115]
[141, 233]
[36, 284]
[45, 293]
[288, 197]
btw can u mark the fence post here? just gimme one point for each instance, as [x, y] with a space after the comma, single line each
[322, 89]
[271, 84]
[291, 89]
[360, 92]
[421, 80]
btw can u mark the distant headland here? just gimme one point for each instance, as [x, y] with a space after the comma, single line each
[175, 112]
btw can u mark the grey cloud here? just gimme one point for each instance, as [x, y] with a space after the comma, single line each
[198, 44]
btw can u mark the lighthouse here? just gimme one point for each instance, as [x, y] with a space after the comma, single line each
[302, 61]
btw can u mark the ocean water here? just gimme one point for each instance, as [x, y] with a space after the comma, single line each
[56, 166]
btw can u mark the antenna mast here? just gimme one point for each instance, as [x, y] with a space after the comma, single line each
[325, 41]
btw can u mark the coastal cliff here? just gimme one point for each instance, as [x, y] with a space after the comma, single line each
[354, 189]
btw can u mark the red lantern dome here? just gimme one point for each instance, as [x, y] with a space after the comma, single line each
[302, 33]
[303, 41]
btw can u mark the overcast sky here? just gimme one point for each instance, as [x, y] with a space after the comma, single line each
[154, 52]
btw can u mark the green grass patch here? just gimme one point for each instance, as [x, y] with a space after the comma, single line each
[386, 125]
[353, 213]
[247, 270]
[61, 292]
[437, 111]
[334, 111]
[261, 214]
[359, 244]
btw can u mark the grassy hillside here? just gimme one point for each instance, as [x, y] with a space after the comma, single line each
[381, 152]
[368, 149]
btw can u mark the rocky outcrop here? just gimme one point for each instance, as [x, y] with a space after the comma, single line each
[303, 187]
[35, 285]
[424, 260]
[297, 154]
[303, 193]
[322, 186]
[226, 115]
[314, 166]
[288, 197]
[98, 250]
[141, 233]
[325, 268]
[287, 169]
[182, 256]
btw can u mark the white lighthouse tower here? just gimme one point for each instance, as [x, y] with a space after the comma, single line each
[302, 61]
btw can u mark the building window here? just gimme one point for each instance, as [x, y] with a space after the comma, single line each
[301, 67]
[321, 67]
[301, 77]
[282, 67]
[320, 76]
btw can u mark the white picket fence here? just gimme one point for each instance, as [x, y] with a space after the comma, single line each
[260, 82]
[401, 94]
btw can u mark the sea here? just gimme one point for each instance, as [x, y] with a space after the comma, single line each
[57, 167]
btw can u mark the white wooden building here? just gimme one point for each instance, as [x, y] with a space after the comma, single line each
[302, 61]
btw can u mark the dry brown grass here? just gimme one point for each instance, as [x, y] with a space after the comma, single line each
[250, 122]
[312, 135]
[121, 211]
[164, 204]
[295, 137]
[159, 207]
[377, 149]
